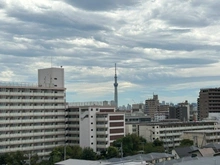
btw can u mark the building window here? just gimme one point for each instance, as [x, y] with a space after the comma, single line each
[91, 129]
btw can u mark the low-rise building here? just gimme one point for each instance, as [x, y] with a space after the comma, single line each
[170, 133]
[202, 137]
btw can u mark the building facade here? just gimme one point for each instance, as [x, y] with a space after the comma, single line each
[94, 126]
[152, 106]
[33, 116]
[170, 133]
[208, 102]
[202, 137]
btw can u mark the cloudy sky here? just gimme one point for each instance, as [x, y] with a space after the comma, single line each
[166, 47]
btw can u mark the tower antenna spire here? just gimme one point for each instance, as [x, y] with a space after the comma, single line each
[116, 89]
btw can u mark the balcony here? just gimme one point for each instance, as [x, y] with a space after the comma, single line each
[101, 146]
[101, 119]
[102, 126]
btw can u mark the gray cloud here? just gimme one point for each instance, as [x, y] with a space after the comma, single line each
[102, 5]
[157, 45]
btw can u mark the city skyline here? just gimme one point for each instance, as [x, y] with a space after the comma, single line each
[169, 48]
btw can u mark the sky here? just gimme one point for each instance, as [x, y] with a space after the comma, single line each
[164, 47]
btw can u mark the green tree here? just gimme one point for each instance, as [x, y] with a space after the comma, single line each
[186, 142]
[88, 154]
[16, 158]
[2, 159]
[45, 162]
[34, 159]
[112, 152]
[76, 152]
[56, 155]
[131, 143]
[157, 142]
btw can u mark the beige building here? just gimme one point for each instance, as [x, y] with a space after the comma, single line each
[152, 106]
[202, 137]
[94, 126]
[170, 132]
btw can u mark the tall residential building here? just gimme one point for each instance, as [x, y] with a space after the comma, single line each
[152, 106]
[208, 102]
[94, 126]
[33, 117]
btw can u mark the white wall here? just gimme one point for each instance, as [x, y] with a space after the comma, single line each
[51, 77]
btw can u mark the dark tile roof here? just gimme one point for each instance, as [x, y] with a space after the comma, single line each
[185, 151]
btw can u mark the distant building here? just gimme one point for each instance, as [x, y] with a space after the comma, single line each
[138, 107]
[178, 113]
[208, 101]
[152, 106]
[155, 110]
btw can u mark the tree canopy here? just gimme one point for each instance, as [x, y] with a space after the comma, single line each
[133, 144]
[186, 142]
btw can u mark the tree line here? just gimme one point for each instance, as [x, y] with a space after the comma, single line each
[131, 144]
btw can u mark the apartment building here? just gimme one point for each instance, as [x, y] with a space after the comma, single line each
[202, 137]
[170, 132]
[179, 112]
[94, 126]
[32, 117]
[152, 106]
[208, 102]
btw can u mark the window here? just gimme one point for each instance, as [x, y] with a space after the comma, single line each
[55, 78]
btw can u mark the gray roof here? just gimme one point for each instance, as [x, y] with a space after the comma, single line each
[88, 162]
[129, 160]
[174, 161]
[212, 145]
[185, 151]
[202, 161]
[145, 157]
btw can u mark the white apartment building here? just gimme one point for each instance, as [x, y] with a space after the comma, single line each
[170, 133]
[33, 117]
[94, 126]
